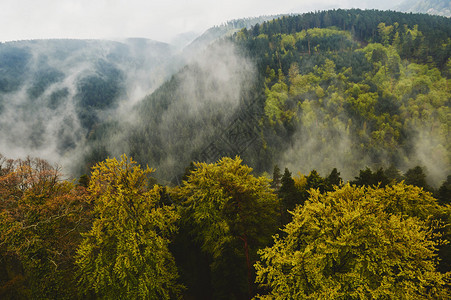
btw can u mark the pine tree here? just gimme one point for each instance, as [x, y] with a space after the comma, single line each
[289, 196]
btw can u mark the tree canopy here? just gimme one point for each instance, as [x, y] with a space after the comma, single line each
[355, 243]
[125, 254]
[41, 218]
[233, 214]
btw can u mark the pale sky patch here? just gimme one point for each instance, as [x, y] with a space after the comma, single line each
[158, 20]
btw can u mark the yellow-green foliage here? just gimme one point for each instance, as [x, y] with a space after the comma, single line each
[232, 214]
[41, 217]
[275, 102]
[321, 32]
[356, 243]
[392, 98]
[226, 203]
[126, 255]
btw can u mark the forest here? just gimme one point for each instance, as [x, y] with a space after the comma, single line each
[304, 157]
[223, 233]
[346, 88]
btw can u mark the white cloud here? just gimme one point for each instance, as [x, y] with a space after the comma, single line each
[159, 20]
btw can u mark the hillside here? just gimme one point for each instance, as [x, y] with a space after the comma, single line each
[432, 7]
[54, 92]
[220, 31]
[303, 157]
[344, 89]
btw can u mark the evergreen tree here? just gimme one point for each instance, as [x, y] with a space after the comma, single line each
[314, 181]
[333, 180]
[368, 178]
[444, 192]
[276, 178]
[393, 174]
[289, 196]
[416, 177]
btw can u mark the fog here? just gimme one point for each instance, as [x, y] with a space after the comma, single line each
[326, 146]
[203, 102]
[171, 128]
[430, 154]
[43, 109]
[157, 20]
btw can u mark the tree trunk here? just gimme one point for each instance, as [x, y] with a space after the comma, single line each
[249, 266]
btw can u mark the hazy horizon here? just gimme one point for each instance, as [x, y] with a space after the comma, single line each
[157, 20]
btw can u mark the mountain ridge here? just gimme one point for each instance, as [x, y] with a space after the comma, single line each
[433, 7]
[183, 116]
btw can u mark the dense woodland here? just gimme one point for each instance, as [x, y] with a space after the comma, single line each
[53, 93]
[231, 212]
[223, 233]
[345, 88]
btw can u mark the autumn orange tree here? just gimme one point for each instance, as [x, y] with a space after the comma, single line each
[41, 217]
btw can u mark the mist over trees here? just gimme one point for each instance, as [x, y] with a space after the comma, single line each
[341, 102]
[348, 110]
[54, 93]
[344, 89]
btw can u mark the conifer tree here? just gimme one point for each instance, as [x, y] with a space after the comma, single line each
[289, 196]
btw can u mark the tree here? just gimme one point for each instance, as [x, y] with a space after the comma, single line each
[232, 214]
[289, 196]
[416, 177]
[314, 181]
[276, 178]
[333, 180]
[368, 178]
[349, 244]
[41, 218]
[392, 174]
[125, 254]
[444, 192]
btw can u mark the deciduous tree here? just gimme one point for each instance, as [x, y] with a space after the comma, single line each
[233, 213]
[41, 218]
[355, 244]
[125, 255]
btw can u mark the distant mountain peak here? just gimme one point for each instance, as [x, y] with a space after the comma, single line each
[432, 7]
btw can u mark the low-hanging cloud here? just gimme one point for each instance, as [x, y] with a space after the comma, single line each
[199, 102]
[42, 107]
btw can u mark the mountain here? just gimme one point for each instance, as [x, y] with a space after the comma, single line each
[339, 92]
[183, 39]
[220, 31]
[54, 92]
[341, 88]
[338, 89]
[432, 7]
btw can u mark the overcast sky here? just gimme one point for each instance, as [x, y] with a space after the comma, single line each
[158, 20]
